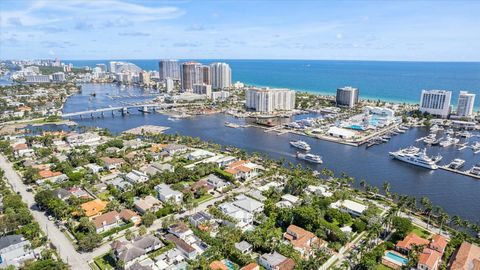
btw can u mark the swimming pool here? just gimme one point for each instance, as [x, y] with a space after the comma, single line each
[397, 258]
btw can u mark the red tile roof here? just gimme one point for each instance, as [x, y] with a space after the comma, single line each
[467, 257]
[410, 240]
[430, 258]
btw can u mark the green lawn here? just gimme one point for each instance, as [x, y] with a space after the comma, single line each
[382, 267]
[104, 262]
[204, 198]
[104, 195]
[421, 232]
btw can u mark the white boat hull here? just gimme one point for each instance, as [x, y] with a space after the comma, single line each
[407, 160]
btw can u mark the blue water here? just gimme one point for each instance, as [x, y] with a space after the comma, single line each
[393, 81]
[401, 260]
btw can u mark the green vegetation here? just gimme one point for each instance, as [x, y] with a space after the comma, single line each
[105, 261]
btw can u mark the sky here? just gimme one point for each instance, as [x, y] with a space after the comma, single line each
[327, 30]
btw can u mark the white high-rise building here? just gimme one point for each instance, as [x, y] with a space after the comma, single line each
[436, 102]
[268, 100]
[347, 96]
[203, 89]
[169, 84]
[221, 75]
[465, 104]
[112, 66]
[58, 77]
[169, 68]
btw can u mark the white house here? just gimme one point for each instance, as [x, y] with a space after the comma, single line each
[136, 177]
[351, 207]
[166, 193]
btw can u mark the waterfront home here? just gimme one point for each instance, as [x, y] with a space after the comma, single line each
[404, 246]
[466, 257]
[166, 194]
[148, 203]
[216, 182]
[276, 261]
[353, 208]
[93, 208]
[131, 252]
[199, 154]
[243, 170]
[88, 138]
[319, 190]
[14, 250]
[244, 247]
[136, 177]
[173, 149]
[200, 218]
[112, 163]
[429, 259]
[187, 250]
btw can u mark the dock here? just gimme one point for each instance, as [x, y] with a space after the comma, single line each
[466, 173]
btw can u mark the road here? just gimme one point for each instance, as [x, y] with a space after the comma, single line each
[64, 246]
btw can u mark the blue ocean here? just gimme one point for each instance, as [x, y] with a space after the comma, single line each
[386, 80]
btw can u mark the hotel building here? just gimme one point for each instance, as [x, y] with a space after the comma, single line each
[268, 100]
[436, 102]
[465, 104]
[169, 68]
[347, 96]
[221, 75]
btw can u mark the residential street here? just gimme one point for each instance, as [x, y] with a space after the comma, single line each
[64, 246]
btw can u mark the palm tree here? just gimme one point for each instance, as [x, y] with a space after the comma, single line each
[386, 188]
[363, 183]
[443, 218]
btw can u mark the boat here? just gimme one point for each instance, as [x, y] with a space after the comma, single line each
[300, 145]
[449, 141]
[456, 163]
[435, 128]
[465, 134]
[310, 158]
[450, 131]
[430, 139]
[232, 125]
[415, 156]
[475, 170]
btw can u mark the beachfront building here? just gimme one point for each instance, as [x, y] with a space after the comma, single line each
[202, 89]
[169, 68]
[347, 96]
[268, 100]
[190, 75]
[436, 102]
[221, 75]
[465, 104]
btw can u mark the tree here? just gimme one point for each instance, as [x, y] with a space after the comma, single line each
[89, 241]
[402, 226]
[142, 230]
[148, 218]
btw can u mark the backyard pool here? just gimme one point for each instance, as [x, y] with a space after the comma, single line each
[397, 258]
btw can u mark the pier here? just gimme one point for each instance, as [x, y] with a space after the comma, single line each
[466, 173]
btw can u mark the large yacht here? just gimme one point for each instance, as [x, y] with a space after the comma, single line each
[456, 163]
[449, 141]
[300, 145]
[415, 156]
[310, 158]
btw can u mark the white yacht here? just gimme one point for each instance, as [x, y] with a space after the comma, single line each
[450, 131]
[449, 141]
[430, 139]
[456, 163]
[300, 145]
[475, 169]
[415, 156]
[465, 134]
[435, 128]
[310, 158]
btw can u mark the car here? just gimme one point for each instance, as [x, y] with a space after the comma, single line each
[50, 218]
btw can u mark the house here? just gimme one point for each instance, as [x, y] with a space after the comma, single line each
[79, 192]
[107, 221]
[244, 247]
[199, 154]
[48, 173]
[136, 177]
[157, 167]
[216, 182]
[173, 149]
[166, 194]
[93, 208]
[251, 266]
[276, 261]
[319, 190]
[218, 265]
[172, 259]
[128, 215]
[112, 163]
[353, 208]
[90, 139]
[429, 259]
[130, 253]
[62, 194]
[405, 245]
[94, 168]
[14, 250]
[243, 170]
[438, 243]
[248, 204]
[243, 218]
[294, 200]
[466, 257]
[257, 195]
[180, 230]
[302, 240]
[22, 150]
[54, 179]
[120, 184]
[187, 250]
[200, 185]
[200, 218]
[148, 203]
